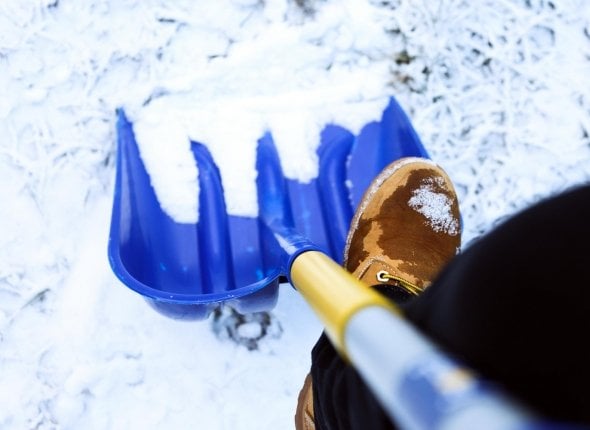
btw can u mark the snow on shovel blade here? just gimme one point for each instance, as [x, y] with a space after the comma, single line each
[187, 270]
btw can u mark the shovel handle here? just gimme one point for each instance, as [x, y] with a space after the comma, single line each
[333, 293]
[418, 385]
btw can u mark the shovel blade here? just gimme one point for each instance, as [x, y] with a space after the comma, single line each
[186, 270]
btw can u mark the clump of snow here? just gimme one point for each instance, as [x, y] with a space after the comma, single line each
[165, 150]
[435, 206]
[283, 72]
[250, 330]
[230, 129]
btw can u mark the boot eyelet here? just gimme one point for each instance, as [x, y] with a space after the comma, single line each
[383, 276]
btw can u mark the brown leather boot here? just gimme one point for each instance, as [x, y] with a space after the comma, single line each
[304, 418]
[406, 228]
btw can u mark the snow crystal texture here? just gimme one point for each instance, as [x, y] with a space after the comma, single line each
[435, 207]
[497, 89]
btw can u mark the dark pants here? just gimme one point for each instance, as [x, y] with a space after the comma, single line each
[515, 306]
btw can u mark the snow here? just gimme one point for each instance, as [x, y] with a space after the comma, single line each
[275, 77]
[496, 89]
[434, 206]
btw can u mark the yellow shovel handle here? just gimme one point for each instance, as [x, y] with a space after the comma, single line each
[333, 293]
[407, 373]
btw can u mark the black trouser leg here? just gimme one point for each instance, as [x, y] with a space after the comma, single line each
[515, 307]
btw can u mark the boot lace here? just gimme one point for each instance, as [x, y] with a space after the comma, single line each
[385, 277]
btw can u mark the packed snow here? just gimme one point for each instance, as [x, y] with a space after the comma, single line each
[496, 89]
[284, 72]
[434, 206]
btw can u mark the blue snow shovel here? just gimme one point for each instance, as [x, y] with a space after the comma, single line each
[187, 270]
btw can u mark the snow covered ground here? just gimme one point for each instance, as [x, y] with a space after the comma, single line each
[497, 89]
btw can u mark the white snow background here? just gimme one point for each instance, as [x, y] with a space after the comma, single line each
[498, 90]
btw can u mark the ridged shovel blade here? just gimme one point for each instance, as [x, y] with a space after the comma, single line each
[186, 270]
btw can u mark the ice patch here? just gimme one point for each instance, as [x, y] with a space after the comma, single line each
[436, 207]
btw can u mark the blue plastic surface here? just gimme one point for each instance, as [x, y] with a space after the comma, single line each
[186, 270]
